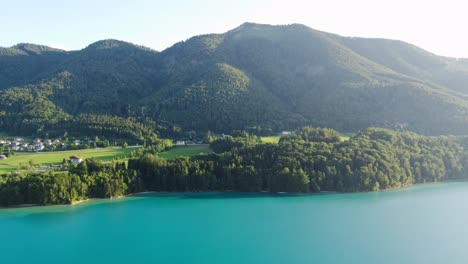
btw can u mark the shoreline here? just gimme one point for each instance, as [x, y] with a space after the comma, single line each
[81, 201]
[145, 192]
[23, 206]
[19, 206]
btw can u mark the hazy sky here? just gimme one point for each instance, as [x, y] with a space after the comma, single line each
[437, 26]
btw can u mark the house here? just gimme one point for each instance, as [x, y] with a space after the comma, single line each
[76, 159]
[30, 147]
[192, 134]
[48, 143]
[286, 133]
[38, 147]
[2, 157]
[180, 143]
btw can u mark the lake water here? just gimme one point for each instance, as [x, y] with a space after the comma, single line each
[423, 224]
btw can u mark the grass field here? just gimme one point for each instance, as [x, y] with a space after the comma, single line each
[186, 151]
[105, 154]
[272, 139]
[344, 138]
[47, 158]
[275, 139]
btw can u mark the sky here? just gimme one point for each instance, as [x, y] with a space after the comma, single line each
[437, 26]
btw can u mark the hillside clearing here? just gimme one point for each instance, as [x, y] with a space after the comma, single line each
[271, 139]
[275, 139]
[186, 151]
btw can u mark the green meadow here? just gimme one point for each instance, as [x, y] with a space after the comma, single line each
[104, 154]
[48, 158]
[271, 139]
[275, 139]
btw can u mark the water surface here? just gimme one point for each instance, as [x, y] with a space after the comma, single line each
[423, 224]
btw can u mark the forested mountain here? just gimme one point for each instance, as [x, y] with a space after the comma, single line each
[24, 63]
[262, 76]
[413, 61]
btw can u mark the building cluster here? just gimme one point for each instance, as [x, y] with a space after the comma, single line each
[37, 145]
[76, 159]
[186, 143]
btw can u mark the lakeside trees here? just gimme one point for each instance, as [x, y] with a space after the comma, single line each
[310, 160]
[90, 179]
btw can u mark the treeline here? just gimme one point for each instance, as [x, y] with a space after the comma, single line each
[309, 160]
[372, 160]
[110, 127]
[236, 141]
[90, 179]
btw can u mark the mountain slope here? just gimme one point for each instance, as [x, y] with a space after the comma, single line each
[253, 77]
[318, 80]
[24, 63]
[107, 77]
[413, 61]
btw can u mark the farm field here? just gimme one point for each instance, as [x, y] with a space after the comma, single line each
[104, 154]
[47, 158]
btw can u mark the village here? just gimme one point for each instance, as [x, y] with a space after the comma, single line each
[20, 144]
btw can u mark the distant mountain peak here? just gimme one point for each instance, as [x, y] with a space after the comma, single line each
[34, 49]
[110, 44]
[248, 25]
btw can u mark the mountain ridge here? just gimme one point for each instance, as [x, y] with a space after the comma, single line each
[243, 25]
[257, 76]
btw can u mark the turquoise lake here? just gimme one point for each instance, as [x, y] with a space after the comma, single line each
[423, 224]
